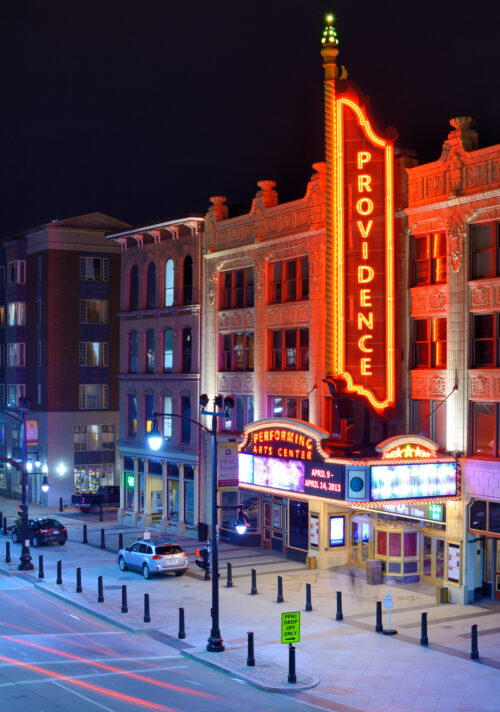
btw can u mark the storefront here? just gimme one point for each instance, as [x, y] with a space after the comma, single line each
[303, 503]
[484, 538]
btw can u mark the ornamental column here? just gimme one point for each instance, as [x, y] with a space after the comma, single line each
[329, 53]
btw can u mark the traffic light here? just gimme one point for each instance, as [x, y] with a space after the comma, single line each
[204, 555]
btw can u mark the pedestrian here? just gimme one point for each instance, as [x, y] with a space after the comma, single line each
[352, 575]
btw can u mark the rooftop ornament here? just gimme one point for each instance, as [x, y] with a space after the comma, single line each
[329, 34]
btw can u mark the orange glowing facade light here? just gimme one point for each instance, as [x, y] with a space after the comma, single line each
[363, 250]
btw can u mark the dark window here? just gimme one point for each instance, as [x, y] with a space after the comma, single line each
[484, 340]
[133, 289]
[236, 289]
[151, 286]
[429, 259]
[168, 353]
[484, 429]
[429, 343]
[150, 351]
[477, 515]
[428, 419]
[185, 424]
[186, 350]
[484, 241]
[132, 352]
[132, 417]
[240, 416]
[494, 517]
[289, 349]
[236, 352]
[188, 280]
[289, 280]
[288, 407]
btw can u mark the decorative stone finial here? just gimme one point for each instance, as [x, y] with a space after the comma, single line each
[267, 193]
[329, 34]
[464, 132]
[220, 211]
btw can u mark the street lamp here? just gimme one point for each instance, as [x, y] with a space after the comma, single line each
[215, 643]
[25, 468]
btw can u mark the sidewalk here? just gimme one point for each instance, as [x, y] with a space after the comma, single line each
[357, 669]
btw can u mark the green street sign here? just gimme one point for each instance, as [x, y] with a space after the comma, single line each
[290, 627]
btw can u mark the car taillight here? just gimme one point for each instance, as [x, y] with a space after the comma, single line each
[83, 499]
[44, 531]
[64, 529]
[184, 554]
[157, 557]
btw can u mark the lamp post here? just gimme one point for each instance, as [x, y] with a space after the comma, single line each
[19, 415]
[215, 643]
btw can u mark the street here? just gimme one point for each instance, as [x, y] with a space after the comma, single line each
[54, 658]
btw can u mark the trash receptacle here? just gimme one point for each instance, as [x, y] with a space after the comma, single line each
[442, 594]
[374, 572]
[202, 531]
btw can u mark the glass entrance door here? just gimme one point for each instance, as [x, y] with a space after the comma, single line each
[360, 540]
[266, 529]
[433, 560]
[496, 590]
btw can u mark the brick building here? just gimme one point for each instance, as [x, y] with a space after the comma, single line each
[59, 347]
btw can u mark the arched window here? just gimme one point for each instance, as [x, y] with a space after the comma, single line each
[169, 283]
[132, 352]
[150, 351]
[186, 350]
[151, 286]
[187, 281]
[133, 289]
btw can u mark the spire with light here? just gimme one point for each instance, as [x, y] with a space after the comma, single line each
[329, 34]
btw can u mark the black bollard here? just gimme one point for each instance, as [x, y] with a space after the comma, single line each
[292, 677]
[100, 590]
[250, 654]
[474, 652]
[100, 513]
[103, 543]
[7, 552]
[339, 616]
[424, 640]
[308, 598]
[279, 599]
[229, 583]
[85, 540]
[378, 624]
[78, 580]
[124, 599]
[120, 540]
[254, 583]
[182, 630]
[60, 504]
[147, 616]
[59, 572]
[1, 517]
[5, 526]
[41, 573]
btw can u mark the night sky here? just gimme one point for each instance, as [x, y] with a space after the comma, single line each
[143, 110]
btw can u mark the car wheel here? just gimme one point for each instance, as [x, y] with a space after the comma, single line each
[179, 573]
[122, 564]
[62, 543]
[15, 537]
[85, 510]
[36, 542]
[146, 572]
[95, 508]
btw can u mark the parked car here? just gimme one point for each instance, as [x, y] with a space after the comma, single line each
[43, 530]
[154, 556]
[106, 496]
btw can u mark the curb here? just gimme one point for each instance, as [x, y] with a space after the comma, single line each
[233, 662]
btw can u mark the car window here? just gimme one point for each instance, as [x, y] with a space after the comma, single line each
[53, 523]
[135, 547]
[143, 549]
[168, 549]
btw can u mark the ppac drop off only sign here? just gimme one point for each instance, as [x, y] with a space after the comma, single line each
[290, 627]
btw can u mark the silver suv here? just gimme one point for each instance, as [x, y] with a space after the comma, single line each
[153, 557]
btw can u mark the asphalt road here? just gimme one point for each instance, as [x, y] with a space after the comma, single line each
[55, 658]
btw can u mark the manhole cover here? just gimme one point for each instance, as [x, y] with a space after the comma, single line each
[111, 588]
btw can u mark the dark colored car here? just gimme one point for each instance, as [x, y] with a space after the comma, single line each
[105, 497]
[43, 530]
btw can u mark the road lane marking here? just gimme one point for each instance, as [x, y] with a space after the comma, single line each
[84, 697]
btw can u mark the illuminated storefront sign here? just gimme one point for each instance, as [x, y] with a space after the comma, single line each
[428, 512]
[364, 256]
[326, 480]
[283, 443]
[413, 481]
